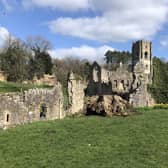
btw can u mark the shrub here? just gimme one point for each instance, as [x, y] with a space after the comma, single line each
[160, 106]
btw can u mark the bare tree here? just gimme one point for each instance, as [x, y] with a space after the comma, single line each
[38, 43]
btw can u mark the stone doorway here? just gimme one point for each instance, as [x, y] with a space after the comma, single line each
[43, 110]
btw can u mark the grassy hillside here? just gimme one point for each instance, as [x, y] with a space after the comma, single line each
[17, 87]
[93, 142]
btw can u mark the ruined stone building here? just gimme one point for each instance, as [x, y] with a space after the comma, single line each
[32, 105]
[47, 104]
[129, 83]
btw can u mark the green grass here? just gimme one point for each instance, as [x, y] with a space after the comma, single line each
[139, 141]
[17, 87]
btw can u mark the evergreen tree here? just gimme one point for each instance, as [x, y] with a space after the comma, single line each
[13, 61]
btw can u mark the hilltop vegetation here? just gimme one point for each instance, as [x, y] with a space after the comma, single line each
[89, 142]
[23, 60]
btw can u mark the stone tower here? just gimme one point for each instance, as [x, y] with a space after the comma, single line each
[142, 58]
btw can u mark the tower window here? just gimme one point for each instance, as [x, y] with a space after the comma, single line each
[146, 55]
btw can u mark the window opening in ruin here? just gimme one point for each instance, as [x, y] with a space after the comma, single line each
[146, 55]
[95, 75]
[127, 82]
[115, 82]
[43, 111]
[123, 84]
[7, 118]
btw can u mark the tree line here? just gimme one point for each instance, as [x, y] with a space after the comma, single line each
[159, 88]
[24, 60]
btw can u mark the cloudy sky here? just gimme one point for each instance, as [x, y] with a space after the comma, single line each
[87, 28]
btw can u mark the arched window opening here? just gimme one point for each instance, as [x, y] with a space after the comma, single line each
[43, 111]
[146, 55]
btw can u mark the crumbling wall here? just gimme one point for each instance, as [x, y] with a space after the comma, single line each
[3, 76]
[12, 110]
[21, 108]
[47, 79]
[132, 85]
[141, 97]
[109, 81]
[76, 94]
[52, 99]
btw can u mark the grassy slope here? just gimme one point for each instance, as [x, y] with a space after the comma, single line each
[134, 142]
[17, 87]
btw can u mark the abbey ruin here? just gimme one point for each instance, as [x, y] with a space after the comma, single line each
[105, 87]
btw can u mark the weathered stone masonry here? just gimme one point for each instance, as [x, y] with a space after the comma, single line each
[32, 105]
[131, 83]
[76, 94]
[47, 104]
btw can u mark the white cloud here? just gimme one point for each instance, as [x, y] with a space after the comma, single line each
[164, 43]
[118, 20]
[6, 5]
[82, 52]
[68, 5]
[4, 34]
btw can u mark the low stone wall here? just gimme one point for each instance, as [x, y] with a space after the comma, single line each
[32, 105]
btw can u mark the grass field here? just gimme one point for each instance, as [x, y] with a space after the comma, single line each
[17, 87]
[139, 141]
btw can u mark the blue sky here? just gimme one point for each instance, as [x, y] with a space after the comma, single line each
[87, 28]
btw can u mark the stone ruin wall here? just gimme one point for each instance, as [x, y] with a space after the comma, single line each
[76, 94]
[106, 82]
[141, 97]
[3, 76]
[12, 110]
[17, 108]
[120, 79]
